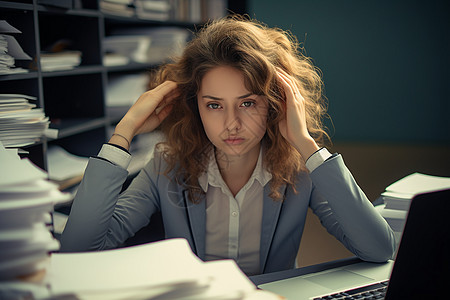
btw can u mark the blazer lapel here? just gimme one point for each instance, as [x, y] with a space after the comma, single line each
[196, 214]
[271, 213]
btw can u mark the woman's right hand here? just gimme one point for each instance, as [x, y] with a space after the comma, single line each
[146, 114]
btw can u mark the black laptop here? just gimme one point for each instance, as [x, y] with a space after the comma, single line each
[422, 265]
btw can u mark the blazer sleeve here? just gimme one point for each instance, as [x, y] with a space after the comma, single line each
[101, 217]
[346, 213]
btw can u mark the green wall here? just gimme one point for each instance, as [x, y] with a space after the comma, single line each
[386, 64]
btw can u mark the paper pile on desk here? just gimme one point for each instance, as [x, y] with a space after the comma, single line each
[161, 270]
[397, 197]
[26, 200]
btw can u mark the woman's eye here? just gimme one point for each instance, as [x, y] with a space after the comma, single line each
[213, 105]
[248, 103]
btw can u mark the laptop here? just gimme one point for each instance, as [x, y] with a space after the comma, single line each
[420, 270]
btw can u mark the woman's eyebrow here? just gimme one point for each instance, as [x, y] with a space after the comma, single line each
[211, 97]
[245, 96]
[218, 98]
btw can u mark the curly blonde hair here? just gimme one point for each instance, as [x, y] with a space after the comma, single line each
[256, 50]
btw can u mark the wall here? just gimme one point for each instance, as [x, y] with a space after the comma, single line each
[385, 63]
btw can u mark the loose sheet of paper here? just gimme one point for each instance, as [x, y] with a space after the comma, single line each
[161, 263]
[418, 183]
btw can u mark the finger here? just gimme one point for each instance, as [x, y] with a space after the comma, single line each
[165, 111]
[165, 87]
[287, 83]
[289, 93]
[159, 94]
[290, 83]
[167, 100]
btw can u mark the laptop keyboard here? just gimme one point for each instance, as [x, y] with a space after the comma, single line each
[372, 291]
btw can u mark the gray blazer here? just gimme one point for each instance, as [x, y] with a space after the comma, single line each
[101, 218]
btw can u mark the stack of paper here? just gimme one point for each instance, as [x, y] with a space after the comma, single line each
[117, 7]
[26, 201]
[57, 61]
[167, 42]
[10, 50]
[147, 44]
[161, 270]
[21, 124]
[397, 196]
[153, 9]
[131, 47]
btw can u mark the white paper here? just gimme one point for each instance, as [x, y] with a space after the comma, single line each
[154, 264]
[62, 165]
[35, 236]
[21, 234]
[228, 281]
[418, 183]
[14, 48]
[26, 199]
[5, 27]
[17, 171]
[16, 96]
[163, 270]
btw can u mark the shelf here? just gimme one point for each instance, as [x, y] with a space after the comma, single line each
[74, 12]
[109, 18]
[16, 5]
[131, 67]
[29, 75]
[77, 71]
[69, 127]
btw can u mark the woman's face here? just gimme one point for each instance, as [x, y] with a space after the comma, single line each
[234, 119]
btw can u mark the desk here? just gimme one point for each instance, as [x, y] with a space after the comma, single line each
[303, 283]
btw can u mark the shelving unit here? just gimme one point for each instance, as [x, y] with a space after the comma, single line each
[74, 100]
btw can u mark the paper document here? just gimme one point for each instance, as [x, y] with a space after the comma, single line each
[418, 183]
[397, 197]
[5, 27]
[14, 48]
[163, 270]
[63, 165]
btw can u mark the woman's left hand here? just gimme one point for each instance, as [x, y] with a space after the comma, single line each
[293, 127]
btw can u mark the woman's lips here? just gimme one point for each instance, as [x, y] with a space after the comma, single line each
[234, 141]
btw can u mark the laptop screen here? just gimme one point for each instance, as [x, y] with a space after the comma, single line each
[422, 264]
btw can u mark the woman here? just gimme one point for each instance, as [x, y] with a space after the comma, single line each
[241, 111]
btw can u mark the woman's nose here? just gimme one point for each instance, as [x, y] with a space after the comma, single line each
[233, 122]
